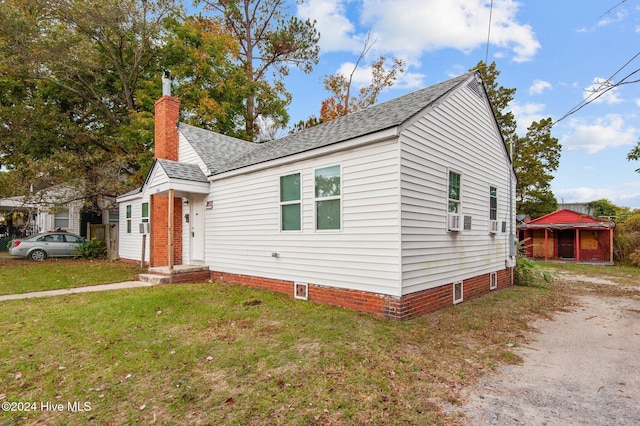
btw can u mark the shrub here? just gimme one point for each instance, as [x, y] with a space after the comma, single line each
[92, 249]
[525, 273]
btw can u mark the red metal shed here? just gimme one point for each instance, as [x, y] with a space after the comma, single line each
[568, 235]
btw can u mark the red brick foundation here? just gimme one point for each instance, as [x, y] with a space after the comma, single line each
[404, 308]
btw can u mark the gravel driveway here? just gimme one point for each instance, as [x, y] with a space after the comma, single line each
[582, 369]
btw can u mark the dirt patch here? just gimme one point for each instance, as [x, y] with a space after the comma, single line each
[582, 368]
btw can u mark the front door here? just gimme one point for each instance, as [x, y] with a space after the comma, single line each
[197, 229]
[566, 243]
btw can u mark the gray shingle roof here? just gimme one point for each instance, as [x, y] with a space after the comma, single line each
[184, 171]
[223, 153]
[216, 150]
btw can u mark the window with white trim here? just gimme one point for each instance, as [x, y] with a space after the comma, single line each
[328, 198]
[61, 220]
[290, 205]
[493, 203]
[145, 212]
[454, 192]
[128, 218]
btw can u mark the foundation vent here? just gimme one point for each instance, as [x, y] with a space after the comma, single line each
[301, 290]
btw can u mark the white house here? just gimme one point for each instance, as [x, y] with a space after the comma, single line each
[399, 209]
[44, 210]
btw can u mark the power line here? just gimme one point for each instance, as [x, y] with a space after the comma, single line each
[610, 10]
[486, 54]
[604, 87]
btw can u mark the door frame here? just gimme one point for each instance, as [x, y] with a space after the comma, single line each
[196, 228]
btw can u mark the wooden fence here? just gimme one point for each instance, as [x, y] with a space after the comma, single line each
[108, 234]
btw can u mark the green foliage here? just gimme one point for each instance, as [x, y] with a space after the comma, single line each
[634, 154]
[270, 41]
[92, 249]
[535, 156]
[9, 244]
[627, 238]
[528, 273]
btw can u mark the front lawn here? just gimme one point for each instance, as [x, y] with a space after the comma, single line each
[19, 275]
[219, 354]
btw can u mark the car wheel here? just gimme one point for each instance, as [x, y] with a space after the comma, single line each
[38, 255]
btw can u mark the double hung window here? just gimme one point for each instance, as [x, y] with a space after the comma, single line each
[328, 198]
[290, 205]
[454, 192]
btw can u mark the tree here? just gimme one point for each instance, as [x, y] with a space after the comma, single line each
[500, 98]
[535, 156]
[269, 40]
[634, 155]
[78, 81]
[211, 86]
[73, 70]
[342, 102]
[604, 208]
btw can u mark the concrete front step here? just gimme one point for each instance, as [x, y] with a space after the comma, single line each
[154, 278]
[178, 274]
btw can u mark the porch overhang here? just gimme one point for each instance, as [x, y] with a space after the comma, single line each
[181, 188]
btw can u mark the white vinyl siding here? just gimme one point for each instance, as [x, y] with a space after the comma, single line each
[186, 154]
[364, 255]
[457, 134]
[130, 244]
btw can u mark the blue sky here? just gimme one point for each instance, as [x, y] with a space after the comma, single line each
[553, 52]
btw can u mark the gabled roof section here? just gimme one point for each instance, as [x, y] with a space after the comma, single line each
[182, 171]
[222, 153]
[565, 218]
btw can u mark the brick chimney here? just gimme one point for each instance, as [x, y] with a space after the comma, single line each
[167, 115]
[164, 227]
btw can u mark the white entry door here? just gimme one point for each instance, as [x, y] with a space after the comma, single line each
[197, 229]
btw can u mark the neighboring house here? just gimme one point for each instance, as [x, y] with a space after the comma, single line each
[568, 235]
[52, 208]
[24, 216]
[399, 209]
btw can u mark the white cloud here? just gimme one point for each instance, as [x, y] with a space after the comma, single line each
[539, 86]
[625, 195]
[582, 195]
[602, 133]
[526, 114]
[337, 33]
[612, 18]
[602, 91]
[411, 27]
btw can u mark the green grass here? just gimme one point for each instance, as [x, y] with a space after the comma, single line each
[217, 354]
[19, 275]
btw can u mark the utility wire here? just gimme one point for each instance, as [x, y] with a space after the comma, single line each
[603, 88]
[486, 54]
[609, 11]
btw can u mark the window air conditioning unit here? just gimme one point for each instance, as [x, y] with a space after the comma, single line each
[454, 222]
[144, 227]
[494, 227]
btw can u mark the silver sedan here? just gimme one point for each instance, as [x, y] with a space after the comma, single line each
[50, 244]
